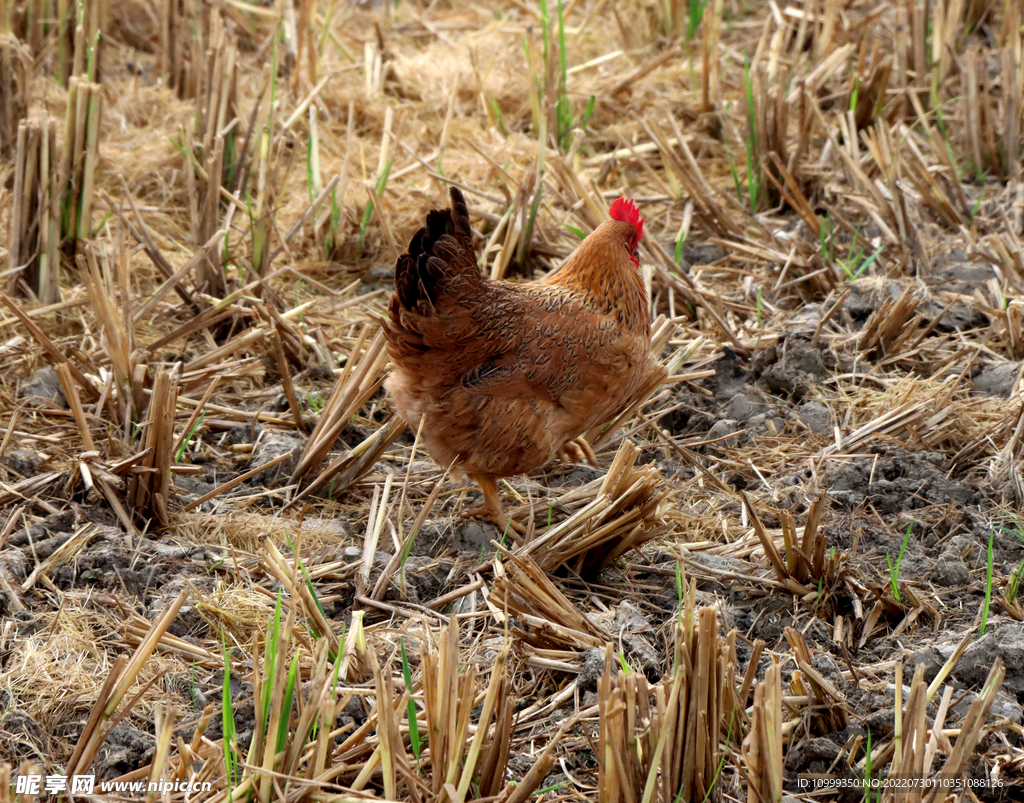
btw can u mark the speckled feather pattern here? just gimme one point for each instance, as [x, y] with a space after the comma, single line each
[505, 374]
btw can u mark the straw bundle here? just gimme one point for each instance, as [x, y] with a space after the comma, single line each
[35, 216]
[611, 516]
[13, 93]
[665, 743]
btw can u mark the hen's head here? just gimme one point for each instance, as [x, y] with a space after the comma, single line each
[624, 210]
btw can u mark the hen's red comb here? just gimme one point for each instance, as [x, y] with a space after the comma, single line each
[625, 210]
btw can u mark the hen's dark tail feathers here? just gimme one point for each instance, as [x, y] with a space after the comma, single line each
[442, 248]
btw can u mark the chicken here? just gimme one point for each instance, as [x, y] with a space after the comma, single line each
[506, 375]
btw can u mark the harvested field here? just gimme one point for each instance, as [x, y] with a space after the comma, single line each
[225, 565]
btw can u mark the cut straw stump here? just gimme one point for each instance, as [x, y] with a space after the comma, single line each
[762, 747]
[58, 33]
[13, 93]
[215, 88]
[460, 764]
[53, 193]
[35, 213]
[118, 335]
[175, 42]
[79, 160]
[664, 743]
[150, 488]
[827, 705]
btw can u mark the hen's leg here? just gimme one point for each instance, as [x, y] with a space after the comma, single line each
[491, 510]
[578, 451]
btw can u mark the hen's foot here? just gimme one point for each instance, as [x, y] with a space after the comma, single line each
[578, 451]
[491, 510]
[499, 519]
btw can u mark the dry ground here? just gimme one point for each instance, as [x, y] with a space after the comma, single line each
[223, 560]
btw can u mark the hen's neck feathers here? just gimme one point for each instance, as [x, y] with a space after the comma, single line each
[601, 270]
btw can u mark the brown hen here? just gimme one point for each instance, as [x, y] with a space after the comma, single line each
[505, 375]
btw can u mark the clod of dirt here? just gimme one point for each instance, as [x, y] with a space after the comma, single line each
[25, 462]
[434, 537]
[45, 537]
[629, 619]
[968, 548]
[998, 378]
[352, 434]
[382, 273]
[816, 417]
[882, 723]
[195, 484]
[717, 566]
[352, 715]
[730, 378]
[931, 659]
[959, 317]
[962, 277]
[1002, 706]
[867, 295]
[421, 579]
[19, 729]
[188, 622]
[580, 475]
[62, 522]
[125, 748]
[245, 718]
[763, 423]
[629, 625]
[791, 367]
[105, 562]
[950, 571]
[765, 619]
[721, 429]
[812, 755]
[745, 406]
[271, 446]
[1006, 641]
[702, 253]
[901, 481]
[242, 433]
[828, 667]
[643, 656]
[555, 779]
[43, 390]
[591, 669]
[474, 536]
[694, 412]
[805, 320]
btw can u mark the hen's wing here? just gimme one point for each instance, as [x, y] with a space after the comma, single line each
[563, 348]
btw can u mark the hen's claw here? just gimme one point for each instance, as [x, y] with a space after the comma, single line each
[499, 520]
[491, 510]
[579, 451]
